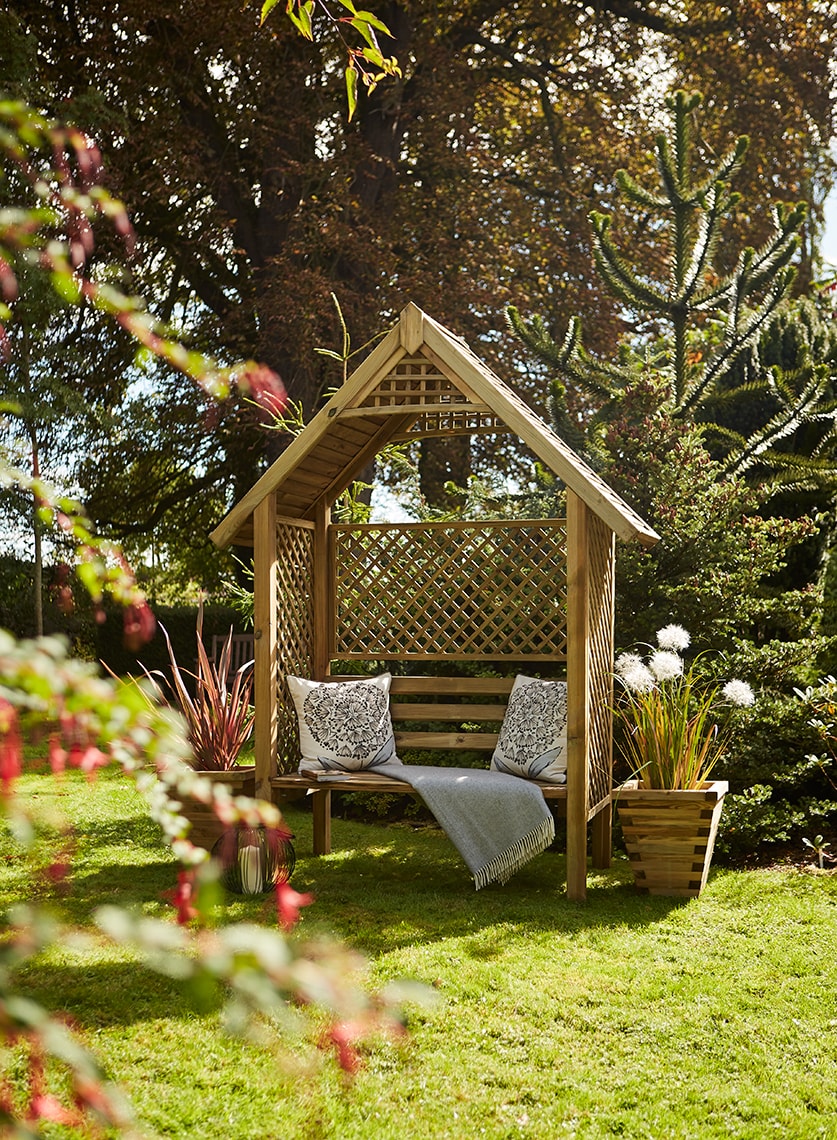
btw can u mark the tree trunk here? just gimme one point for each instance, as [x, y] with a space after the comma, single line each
[442, 462]
[37, 550]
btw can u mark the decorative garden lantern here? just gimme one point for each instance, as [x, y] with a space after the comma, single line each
[254, 859]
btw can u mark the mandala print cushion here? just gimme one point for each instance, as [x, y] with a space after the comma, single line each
[533, 736]
[344, 726]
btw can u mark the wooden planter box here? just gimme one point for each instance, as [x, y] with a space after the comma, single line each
[206, 827]
[670, 835]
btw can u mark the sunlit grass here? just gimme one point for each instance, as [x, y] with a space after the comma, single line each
[624, 1016]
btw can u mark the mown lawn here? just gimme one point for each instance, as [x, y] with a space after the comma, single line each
[624, 1016]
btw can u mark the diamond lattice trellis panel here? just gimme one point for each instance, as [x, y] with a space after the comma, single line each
[601, 601]
[453, 590]
[295, 628]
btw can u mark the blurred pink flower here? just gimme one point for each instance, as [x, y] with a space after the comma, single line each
[11, 747]
[264, 387]
[182, 897]
[288, 903]
[140, 625]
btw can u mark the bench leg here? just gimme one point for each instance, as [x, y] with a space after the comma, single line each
[321, 805]
[602, 837]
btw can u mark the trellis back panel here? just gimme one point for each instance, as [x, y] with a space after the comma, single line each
[457, 590]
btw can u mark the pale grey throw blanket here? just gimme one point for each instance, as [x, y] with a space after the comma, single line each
[496, 822]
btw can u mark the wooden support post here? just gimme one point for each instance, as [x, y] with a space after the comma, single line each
[323, 600]
[323, 603]
[321, 811]
[578, 694]
[266, 731]
[601, 839]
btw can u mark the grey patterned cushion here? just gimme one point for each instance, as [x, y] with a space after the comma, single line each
[533, 737]
[344, 726]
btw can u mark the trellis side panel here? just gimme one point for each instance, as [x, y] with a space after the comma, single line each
[295, 636]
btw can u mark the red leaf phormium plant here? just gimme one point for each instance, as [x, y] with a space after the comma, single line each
[219, 717]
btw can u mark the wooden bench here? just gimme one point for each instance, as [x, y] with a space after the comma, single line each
[418, 706]
[242, 650]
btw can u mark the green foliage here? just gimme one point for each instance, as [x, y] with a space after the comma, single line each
[93, 722]
[365, 60]
[720, 570]
[779, 791]
[17, 611]
[788, 385]
[819, 846]
[100, 636]
[714, 569]
[155, 482]
[109, 647]
[717, 411]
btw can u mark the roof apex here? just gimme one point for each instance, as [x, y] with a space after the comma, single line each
[349, 432]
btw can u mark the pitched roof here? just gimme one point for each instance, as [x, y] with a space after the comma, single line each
[420, 381]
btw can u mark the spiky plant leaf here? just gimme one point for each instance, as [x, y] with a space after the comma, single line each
[727, 167]
[619, 275]
[638, 194]
[790, 417]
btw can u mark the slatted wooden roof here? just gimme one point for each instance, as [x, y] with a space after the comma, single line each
[421, 380]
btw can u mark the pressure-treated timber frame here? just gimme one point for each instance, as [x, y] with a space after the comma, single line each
[315, 579]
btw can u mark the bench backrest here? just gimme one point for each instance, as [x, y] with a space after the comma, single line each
[242, 650]
[418, 706]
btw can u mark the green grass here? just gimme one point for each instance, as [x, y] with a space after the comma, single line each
[624, 1016]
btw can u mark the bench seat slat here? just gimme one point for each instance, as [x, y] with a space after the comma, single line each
[299, 783]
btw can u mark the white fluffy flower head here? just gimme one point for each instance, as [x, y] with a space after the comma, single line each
[626, 662]
[665, 665]
[674, 638]
[636, 676]
[739, 693]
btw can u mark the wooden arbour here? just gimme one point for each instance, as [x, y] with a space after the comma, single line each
[517, 593]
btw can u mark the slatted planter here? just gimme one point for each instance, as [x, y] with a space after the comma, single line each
[206, 827]
[525, 596]
[670, 835]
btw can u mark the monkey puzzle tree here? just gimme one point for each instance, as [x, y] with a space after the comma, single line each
[700, 330]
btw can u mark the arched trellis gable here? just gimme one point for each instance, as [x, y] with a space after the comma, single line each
[523, 592]
[453, 393]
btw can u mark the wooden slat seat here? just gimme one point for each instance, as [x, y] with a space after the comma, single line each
[459, 700]
[300, 783]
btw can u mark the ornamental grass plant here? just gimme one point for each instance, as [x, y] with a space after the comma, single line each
[674, 719]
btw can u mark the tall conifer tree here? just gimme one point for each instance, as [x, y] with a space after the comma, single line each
[701, 329]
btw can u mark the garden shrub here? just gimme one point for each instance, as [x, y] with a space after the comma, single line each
[779, 790]
[17, 608]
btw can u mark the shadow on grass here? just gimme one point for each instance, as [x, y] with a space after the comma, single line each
[125, 831]
[131, 885]
[104, 994]
[383, 888]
